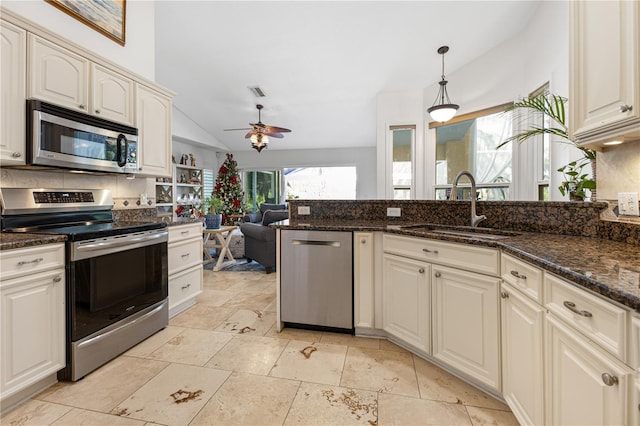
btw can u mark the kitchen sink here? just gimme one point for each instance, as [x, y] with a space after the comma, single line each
[461, 231]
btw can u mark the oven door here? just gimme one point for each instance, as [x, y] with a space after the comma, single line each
[112, 278]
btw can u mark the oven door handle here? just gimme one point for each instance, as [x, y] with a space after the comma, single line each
[82, 250]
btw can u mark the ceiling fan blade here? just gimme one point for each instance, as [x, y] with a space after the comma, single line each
[276, 129]
[249, 134]
[274, 135]
[258, 124]
[246, 128]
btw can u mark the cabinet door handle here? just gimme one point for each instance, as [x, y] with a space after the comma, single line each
[430, 251]
[57, 279]
[97, 111]
[81, 106]
[16, 154]
[609, 380]
[363, 241]
[26, 262]
[626, 108]
[504, 295]
[438, 274]
[517, 275]
[185, 255]
[184, 287]
[572, 307]
[421, 270]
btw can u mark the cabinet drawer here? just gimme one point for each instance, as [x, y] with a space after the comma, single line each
[521, 275]
[183, 232]
[184, 254]
[184, 285]
[597, 319]
[14, 263]
[463, 256]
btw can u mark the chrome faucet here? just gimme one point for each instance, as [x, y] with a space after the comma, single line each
[475, 219]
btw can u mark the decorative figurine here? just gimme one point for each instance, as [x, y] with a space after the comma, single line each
[193, 160]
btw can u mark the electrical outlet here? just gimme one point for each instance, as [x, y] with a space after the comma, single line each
[394, 211]
[628, 203]
[304, 210]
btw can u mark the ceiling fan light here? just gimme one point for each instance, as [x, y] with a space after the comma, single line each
[443, 112]
[259, 141]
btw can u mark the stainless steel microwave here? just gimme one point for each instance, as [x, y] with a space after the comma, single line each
[59, 137]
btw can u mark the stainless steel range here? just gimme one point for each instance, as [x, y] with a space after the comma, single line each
[116, 272]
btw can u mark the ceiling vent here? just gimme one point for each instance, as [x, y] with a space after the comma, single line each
[257, 91]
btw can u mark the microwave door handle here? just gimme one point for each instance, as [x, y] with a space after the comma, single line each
[121, 151]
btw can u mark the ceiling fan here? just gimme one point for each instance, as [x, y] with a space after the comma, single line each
[259, 132]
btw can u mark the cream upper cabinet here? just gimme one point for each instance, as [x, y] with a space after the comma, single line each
[153, 120]
[64, 78]
[585, 385]
[111, 95]
[363, 279]
[407, 300]
[466, 327]
[604, 90]
[13, 69]
[58, 75]
[522, 356]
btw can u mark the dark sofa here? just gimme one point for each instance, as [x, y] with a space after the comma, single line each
[259, 238]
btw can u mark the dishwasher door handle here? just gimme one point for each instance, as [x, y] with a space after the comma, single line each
[315, 243]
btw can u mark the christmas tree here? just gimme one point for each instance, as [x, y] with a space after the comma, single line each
[229, 189]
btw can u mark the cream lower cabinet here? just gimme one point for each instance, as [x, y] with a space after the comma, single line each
[522, 355]
[32, 317]
[466, 323]
[184, 266]
[634, 408]
[407, 300]
[586, 385]
[363, 279]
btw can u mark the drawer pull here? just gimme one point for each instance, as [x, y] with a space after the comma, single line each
[184, 287]
[184, 232]
[572, 307]
[57, 279]
[517, 275]
[626, 108]
[421, 270]
[16, 154]
[26, 262]
[185, 255]
[438, 274]
[609, 380]
[430, 251]
[504, 295]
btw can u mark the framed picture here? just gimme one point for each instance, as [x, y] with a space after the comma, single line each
[105, 16]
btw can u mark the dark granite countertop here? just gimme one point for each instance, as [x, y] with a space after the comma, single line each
[609, 268]
[9, 240]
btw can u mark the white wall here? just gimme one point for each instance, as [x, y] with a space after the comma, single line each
[506, 73]
[364, 159]
[138, 53]
[206, 158]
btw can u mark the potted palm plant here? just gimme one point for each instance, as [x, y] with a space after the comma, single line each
[552, 106]
[212, 210]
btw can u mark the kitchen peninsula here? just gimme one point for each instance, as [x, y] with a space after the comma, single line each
[546, 288]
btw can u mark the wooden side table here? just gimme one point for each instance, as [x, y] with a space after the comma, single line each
[218, 238]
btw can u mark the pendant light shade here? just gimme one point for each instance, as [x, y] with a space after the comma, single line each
[442, 109]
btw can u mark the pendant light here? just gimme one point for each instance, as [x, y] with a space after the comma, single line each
[442, 109]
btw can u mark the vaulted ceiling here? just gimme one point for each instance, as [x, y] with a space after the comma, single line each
[320, 63]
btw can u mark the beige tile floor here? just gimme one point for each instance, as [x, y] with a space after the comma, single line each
[222, 363]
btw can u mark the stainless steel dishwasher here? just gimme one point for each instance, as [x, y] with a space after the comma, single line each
[316, 279]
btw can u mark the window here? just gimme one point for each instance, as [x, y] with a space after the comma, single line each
[402, 165]
[317, 183]
[470, 143]
[261, 186]
[208, 181]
